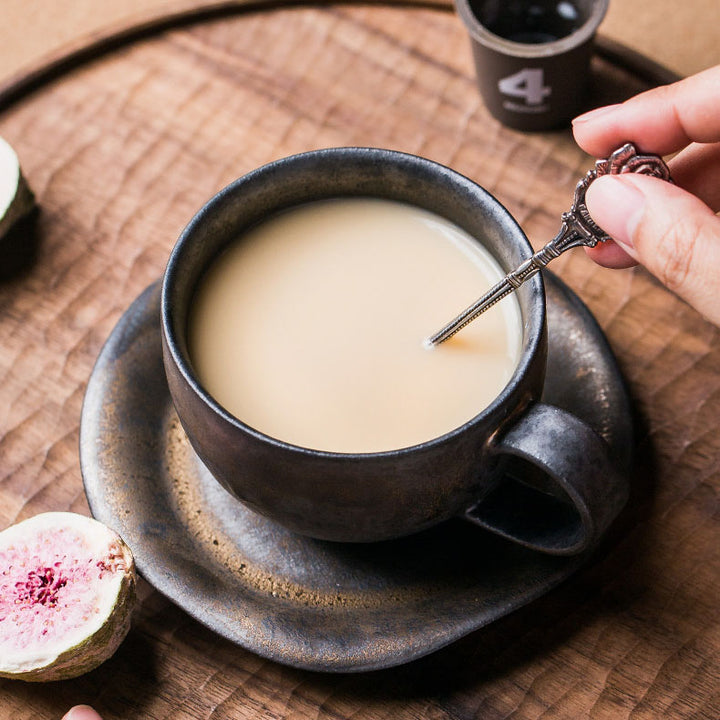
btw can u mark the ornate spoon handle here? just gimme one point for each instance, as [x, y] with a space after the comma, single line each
[577, 229]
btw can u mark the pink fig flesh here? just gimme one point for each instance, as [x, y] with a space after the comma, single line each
[67, 588]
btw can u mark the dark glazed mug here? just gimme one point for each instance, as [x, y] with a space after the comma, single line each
[528, 471]
[532, 57]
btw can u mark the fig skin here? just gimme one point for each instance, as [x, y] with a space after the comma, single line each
[19, 200]
[19, 231]
[65, 658]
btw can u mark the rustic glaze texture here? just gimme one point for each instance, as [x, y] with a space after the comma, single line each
[121, 153]
[328, 606]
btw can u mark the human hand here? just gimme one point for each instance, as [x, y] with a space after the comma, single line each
[81, 712]
[673, 230]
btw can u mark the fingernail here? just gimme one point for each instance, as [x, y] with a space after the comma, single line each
[595, 114]
[81, 712]
[617, 206]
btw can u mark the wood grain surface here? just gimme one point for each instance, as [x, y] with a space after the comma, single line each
[122, 151]
[682, 36]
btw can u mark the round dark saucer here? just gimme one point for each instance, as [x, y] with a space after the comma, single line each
[306, 603]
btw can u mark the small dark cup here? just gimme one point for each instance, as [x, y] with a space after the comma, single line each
[566, 489]
[532, 57]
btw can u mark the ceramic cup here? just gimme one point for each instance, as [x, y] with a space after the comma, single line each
[532, 57]
[528, 471]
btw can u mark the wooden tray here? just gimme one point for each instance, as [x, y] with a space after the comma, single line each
[122, 151]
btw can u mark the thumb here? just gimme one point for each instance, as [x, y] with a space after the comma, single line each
[671, 232]
[81, 712]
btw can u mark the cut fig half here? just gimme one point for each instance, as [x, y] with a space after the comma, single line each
[67, 589]
[16, 199]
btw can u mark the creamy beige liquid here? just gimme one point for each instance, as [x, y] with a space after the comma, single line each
[312, 328]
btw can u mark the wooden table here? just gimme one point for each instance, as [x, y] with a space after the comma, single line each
[680, 35]
[121, 151]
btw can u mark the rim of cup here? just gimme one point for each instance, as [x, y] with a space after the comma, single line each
[254, 179]
[485, 37]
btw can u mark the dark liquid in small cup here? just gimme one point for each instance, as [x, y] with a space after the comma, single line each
[528, 21]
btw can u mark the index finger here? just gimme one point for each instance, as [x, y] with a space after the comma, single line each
[662, 120]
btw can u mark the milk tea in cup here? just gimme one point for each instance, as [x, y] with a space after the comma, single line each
[311, 326]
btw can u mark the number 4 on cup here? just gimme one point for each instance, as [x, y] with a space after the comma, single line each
[528, 83]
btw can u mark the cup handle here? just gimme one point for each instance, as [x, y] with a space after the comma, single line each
[558, 487]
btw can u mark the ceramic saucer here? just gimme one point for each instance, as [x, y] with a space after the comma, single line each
[301, 602]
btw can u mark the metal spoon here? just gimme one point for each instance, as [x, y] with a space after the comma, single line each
[577, 229]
